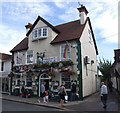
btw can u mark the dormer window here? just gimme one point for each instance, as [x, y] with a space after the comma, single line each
[40, 33]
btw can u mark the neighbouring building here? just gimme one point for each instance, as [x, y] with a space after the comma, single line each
[66, 52]
[115, 72]
[5, 69]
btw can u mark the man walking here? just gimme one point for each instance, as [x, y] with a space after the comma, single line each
[43, 91]
[104, 94]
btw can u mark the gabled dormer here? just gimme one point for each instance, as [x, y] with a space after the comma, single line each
[40, 29]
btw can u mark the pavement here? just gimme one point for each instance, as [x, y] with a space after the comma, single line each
[90, 103]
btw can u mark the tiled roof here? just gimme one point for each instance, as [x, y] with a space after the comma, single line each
[66, 32]
[69, 31]
[4, 56]
[23, 45]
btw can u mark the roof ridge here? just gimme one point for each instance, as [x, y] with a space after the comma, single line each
[5, 54]
[66, 23]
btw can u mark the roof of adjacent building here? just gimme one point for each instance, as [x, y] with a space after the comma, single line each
[23, 45]
[4, 56]
[66, 32]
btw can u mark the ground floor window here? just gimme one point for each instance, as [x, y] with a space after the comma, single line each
[66, 79]
[17, 80]
[29, 81]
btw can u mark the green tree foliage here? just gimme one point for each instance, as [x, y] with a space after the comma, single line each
[105, 67]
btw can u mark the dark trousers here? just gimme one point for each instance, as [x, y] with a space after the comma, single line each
[104, 99]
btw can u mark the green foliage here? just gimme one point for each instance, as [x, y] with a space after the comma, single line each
[105, 67]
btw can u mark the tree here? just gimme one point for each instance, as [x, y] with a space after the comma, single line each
[105, 67]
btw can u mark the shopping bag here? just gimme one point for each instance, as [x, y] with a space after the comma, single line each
[66, 98]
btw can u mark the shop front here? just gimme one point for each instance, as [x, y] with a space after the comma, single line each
[31, 77]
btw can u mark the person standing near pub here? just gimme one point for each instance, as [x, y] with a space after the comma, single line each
[43, 91]
[73, 92]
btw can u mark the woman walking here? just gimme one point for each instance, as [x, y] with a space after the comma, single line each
[62, 92]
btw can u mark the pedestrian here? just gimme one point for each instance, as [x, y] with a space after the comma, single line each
[43, 91]
[110, 86]
[62, 92]
[23, 91]
[104, 94]
[46, 96]
[73, 92]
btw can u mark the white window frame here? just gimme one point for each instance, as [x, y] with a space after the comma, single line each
[39, 36]
[16, 81]
[26, 57]
[61, 57]
[27, 81]
[18, 54]
[65, 81]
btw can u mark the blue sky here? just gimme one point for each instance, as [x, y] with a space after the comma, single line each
[103, 15]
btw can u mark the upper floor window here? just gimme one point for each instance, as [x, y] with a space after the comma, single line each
[19, 58]
[65, 52]
[40, 33]
[30, 57]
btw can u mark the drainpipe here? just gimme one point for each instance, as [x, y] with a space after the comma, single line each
[79, 67]
[12, 63]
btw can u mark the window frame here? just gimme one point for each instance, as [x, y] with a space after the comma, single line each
[18, 55]
[29, 80]
[67, 81]
[40, 35]
[61, 56]
[27, 57]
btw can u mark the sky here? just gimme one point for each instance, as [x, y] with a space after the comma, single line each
[103, 15]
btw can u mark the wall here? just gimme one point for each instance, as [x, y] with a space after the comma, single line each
[90, 70]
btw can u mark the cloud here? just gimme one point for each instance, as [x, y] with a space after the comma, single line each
[9, 38]
[70, 14]
[105, 19]
[26, 11]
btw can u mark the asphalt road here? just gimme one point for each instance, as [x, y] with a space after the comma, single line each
[16, 106]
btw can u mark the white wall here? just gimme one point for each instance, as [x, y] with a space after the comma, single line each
[90, 70]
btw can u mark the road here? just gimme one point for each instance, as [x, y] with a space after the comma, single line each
[16, 106]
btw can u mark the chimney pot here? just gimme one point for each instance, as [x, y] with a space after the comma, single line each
[28, 25]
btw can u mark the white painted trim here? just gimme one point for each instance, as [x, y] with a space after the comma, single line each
[40, 81]
[26, 56]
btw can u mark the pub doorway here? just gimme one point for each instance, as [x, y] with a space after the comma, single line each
[44, 77]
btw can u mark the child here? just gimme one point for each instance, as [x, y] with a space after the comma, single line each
[46, 96]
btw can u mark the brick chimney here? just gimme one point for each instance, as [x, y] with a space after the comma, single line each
[83, 14]
[28, 26]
